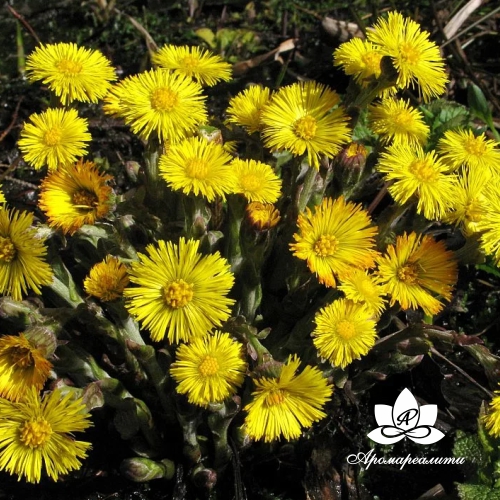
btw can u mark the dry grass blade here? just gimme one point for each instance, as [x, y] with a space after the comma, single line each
[460, 17]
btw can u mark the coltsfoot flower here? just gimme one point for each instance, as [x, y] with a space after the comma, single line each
[245, 109]
[256, 181]
[107, 279]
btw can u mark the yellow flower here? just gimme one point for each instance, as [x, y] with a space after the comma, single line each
[492, 419]
[462, 147]
[181, 293]
[72, 72]
[54, 137]
[2, 198]
[107, 279]
[75, 195]
[284, 404]
[199, 167]
[245, 109]
[209, 369]
[114, 101]
[360, 59]
[262, 216]
[256, 181]
[359, 287]
[395, 120]
[419, 174]
[193, 62]
[22, 366]
[166, 103]
[22, 255]
[38, 433]
[415, 269]
[416, 59]
[489, 221]
[344, 331]
[300, 118]
[335, 239]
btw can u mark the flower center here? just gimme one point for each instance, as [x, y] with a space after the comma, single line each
[197, 168]
[164, 99]
[21, 357]
[423, 171]
[367, 288]
[275, 397]
[408, 274]
[7, 250]
[209, 366]
[372, 61]
[409, 54]
[473, 210]
[250, 183]
[178, 294]
[474, 146]
[326, 245]
[69, 67]
[85, 199]
[189, 63]
[305, 127]
[346, 330]
[36, 432]
[52, 137]
[402, 118]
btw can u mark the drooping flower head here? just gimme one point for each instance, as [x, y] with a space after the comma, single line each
[181, 294]
[160, 101]
[196, 63]
[199, 167]
[345, 331]
[395, 120]
[22, 255]
[75, 195]
[107, 279]
[262, 216]
[71, 72]
[417, 269]
[420, 175]
[300, 118]
[54, 137]
[284, 404]
[334, 239]
[360, 287]
[245, 109]
[256, 181]
[416, 59]
[37, 433]
[359, 58]
[22, 366]
[210, 369]
[463, 147]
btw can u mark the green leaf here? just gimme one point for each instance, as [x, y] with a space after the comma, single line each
[478, 103]
[477, 492]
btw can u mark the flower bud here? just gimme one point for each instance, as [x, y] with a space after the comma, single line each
[140, 469]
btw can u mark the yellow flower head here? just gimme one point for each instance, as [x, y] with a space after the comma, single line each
[2, 198]
[245, 109]
[256, 181]
[415, 269]
[489, 220]
[38, 433]
[114, 101]
[285, 404]
[72, 72]
[107, 279]
[416, 59]
[344, 331]
[193, 62]
[419, 174]
[180, 292]
[360, 59]
[22, 255]
[199, 167]
[209, 369]
[395, 120]
[262, 216]
[54, 137]
[492, 419]
[75, 195]
[462, 147]
[335, 239]
[166, 103]
[22, 366]
[360, 287]
[300, 119]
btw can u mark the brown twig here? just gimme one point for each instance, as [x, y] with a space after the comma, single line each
[4, 134]
[380, 195]
[24, 22]
[11, 168]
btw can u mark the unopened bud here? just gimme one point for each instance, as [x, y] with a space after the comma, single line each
[140, 470]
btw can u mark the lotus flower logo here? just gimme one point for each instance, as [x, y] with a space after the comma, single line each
[405, 419]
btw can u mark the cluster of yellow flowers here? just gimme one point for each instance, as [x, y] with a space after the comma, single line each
[185, 295]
